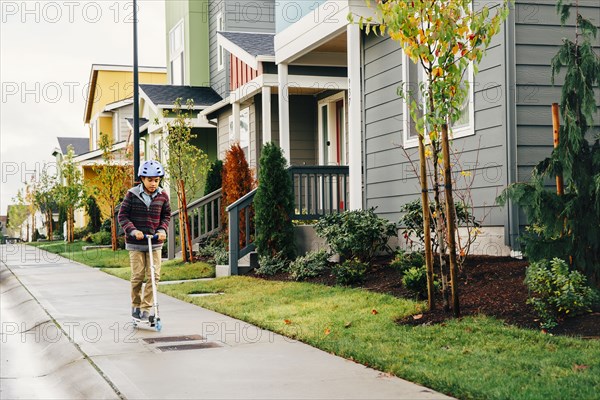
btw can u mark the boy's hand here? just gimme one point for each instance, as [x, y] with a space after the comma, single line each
[161, 235]
[139, 235]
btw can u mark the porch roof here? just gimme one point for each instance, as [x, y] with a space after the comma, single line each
[255, 44]
[164, 96]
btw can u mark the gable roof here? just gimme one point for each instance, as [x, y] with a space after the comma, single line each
[255, 44]
[164, 96]
[80, 145]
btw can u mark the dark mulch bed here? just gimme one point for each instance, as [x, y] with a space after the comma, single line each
[487, 285]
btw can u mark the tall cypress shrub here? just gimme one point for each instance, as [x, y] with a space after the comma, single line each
[273, 205]
[237, 181]
[568, 226]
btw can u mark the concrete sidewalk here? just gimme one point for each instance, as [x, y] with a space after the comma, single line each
[66, 333]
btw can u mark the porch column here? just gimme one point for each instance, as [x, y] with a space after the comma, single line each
[284, 111]
[354, 128]
[266, 114]
[236, 122]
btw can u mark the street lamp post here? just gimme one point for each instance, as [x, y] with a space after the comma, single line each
[136, 96]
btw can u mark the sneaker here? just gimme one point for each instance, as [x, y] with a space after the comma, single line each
[135, 312]
[144, 315]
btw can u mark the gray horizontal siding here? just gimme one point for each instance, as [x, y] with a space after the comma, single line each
[538, 36]
[390, 179]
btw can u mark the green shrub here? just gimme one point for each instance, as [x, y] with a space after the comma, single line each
[556, 292]
[101, 238]
[311, 265]
[270, 265]
[80, 233]
[356, 234]
[221, 257]
[415, 280]
[273, 205]
[349, 272]
[403, 261]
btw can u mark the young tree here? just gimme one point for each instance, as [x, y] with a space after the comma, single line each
[567, 225]
[274, 204]
[443, 37]
[45, 198]
[17, 214]
[186, 168]
[113, 180]
[71, 192]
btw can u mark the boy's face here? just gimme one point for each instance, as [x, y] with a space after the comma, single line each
[150, 183]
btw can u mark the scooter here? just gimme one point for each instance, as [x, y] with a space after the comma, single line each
[154, 320]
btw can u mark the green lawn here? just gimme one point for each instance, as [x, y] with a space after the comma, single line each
[477, 357]
[117, 262]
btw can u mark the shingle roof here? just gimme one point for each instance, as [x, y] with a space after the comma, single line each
[256, 44]
[143, 121]
[80, 145]
[167, 94]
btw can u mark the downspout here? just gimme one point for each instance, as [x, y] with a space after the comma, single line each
[511, 230]
[363, 124]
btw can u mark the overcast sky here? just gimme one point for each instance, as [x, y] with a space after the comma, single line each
[47, 49]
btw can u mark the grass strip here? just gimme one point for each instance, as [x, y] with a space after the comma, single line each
[473, 358]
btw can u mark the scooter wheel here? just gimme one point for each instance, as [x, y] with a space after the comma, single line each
[158, 326]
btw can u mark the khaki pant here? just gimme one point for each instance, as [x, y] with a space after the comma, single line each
[140, 269]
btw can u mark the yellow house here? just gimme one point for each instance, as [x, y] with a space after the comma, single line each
[108, 106]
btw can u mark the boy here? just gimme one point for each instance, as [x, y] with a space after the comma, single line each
[145, 211]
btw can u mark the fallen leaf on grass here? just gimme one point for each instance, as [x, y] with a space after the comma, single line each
[577, 367]
[374, 312]
[327, 331]
[418, 316]
[287, 321]
[348, 324]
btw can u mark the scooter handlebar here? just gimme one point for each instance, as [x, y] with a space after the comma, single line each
[155, 236]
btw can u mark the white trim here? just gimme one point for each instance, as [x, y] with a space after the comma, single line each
[331, 127]
[284, 111]
[467, 130]
[317, 27]
[354, 115]
[118, 104]
[220, 49]
[242, 54]
[125, 68]
[96, 153]
[266, 115]
[236, 126]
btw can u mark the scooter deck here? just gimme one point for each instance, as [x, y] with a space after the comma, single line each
[151, 322]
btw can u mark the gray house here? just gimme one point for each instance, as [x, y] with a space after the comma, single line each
[506, 128]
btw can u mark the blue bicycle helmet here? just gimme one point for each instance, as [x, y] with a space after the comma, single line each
[151, 168]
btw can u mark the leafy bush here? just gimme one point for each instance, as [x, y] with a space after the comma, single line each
[311, 265]
[356, 234]
[557, 293]
[213, 177]
[237, 181]
[349, 272]
[270, 265]
[80, 233]
[273, 205]
[415, 280]
[221, 257]
[101, 238]
[403, 261]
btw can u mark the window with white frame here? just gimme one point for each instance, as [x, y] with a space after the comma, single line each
[220, 50]
[176, 52]
[413, 75]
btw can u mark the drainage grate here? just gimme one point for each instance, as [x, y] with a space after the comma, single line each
[194, 346]
[185, 338]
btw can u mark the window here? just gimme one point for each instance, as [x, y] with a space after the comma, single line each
[220, 50]
[413, 75]
[176, 54]
[244, 131]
